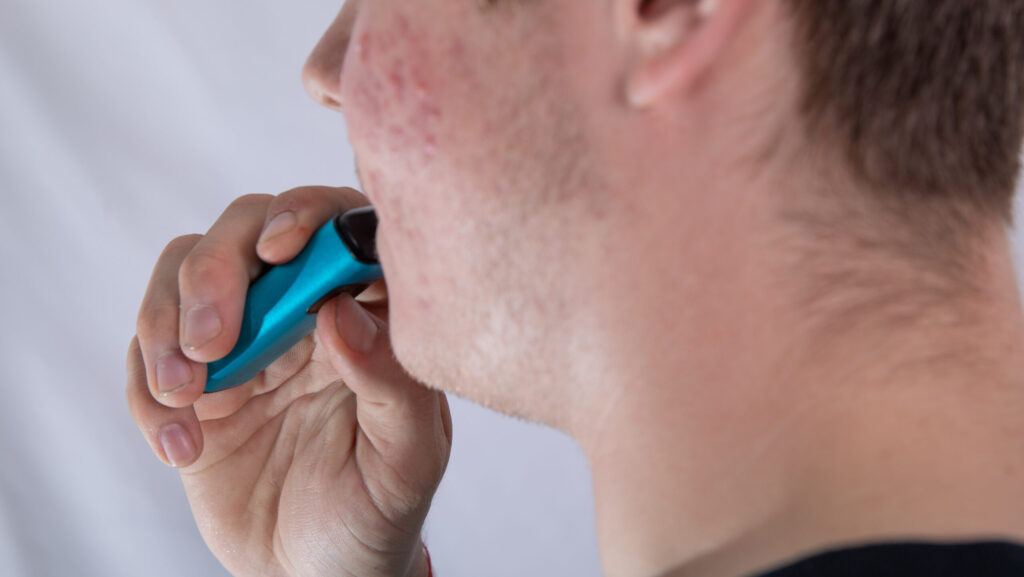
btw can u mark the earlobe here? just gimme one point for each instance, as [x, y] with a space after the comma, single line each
[674, 42]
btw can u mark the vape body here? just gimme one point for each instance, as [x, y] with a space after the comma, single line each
[281, 305]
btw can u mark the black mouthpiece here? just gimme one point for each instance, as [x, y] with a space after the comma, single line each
[358, 230]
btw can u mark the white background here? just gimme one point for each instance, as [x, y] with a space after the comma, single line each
[122, 125]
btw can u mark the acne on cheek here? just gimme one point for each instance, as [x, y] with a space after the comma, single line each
[395, 94]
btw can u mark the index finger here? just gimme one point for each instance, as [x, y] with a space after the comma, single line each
[215, 276]
[294, 216]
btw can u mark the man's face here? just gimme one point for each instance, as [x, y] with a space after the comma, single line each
[471, 146]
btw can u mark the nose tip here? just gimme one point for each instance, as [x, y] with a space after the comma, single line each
[321, 75]
[322, 79]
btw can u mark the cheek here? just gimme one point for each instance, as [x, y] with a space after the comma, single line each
[390, 93]
[400, 90]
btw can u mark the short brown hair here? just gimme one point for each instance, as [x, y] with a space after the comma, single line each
[925, 97]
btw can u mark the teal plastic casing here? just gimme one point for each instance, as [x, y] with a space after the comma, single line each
[281, 305]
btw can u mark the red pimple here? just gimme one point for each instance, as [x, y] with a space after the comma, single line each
[421, 90]
[397, 81]
[419, 84]
[429, 146]
[427, 107]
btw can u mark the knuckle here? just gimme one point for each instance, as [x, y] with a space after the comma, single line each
[350, 196]
[317, 198]
[129, 399]
[133, 400]
[181, 243]
[133, 346]
[131, 359]
[157, 319]
[349, 192]
[298, 199]
[201, 265]
[247, 201]
[136, 391]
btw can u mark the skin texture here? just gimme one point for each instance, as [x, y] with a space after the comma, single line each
[413, 124]
[607, 218]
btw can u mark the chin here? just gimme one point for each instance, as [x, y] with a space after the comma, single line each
[461, 367]
[421, 347]
[412, 341]
[417, 355]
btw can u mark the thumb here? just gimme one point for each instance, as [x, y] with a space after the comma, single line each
[394, 410]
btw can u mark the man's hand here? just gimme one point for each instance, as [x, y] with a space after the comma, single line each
[325, 463]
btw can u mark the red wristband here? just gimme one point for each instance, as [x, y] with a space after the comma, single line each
[430, 567]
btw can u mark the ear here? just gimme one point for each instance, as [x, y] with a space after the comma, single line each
[672, 43]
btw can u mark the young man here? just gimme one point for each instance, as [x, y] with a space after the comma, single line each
[751, 254]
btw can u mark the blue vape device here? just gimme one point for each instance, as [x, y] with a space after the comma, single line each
[281, 305]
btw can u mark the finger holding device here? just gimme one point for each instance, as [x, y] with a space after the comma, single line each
[281, 305]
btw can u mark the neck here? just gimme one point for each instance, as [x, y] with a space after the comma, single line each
[728, 445]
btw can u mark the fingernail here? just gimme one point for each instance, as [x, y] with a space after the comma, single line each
[355, 325]
[177, 444]
[279, 225]
[202, 325]
[173, 373]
